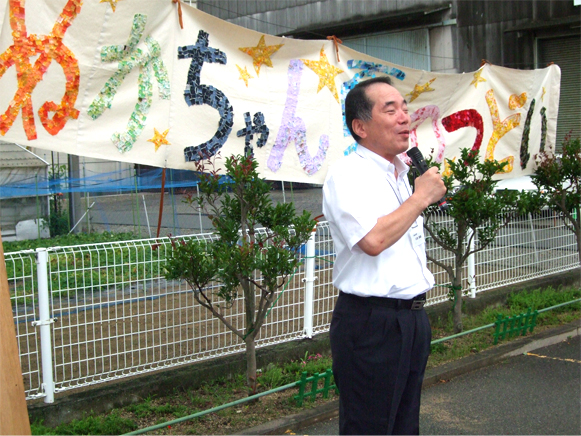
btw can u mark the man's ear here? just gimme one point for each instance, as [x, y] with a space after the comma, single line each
[359, 128]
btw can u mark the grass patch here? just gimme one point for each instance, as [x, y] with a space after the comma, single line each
[274, 376]
[109, 261]
[112, 423]
[184, 402]
[516, 304]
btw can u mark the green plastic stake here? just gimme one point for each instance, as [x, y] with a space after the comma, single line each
[301, 395]
[328, 374]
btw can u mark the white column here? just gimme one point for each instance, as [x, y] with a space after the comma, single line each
[44, 323]
[309, 284]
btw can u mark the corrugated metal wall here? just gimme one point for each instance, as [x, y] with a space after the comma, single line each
[565, 52]
[286, 16]
[410, 49]
[484, 30]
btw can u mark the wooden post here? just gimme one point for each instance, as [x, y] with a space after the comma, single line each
[13, 411]
[161, 202]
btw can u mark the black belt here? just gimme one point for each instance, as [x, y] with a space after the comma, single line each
[415, 303]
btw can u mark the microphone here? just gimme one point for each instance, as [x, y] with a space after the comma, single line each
[419, 162]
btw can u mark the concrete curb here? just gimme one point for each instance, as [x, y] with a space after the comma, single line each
[294, 423]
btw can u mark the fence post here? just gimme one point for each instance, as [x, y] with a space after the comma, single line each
[199, 208]
[471, 265]
[44, 322]
[309, 280]
[534, 237]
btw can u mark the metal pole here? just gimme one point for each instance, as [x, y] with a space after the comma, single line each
[309, 284]
[173, 202]
[44, 322]
[87, 197]
[81, 218]
[283, 196]
[159, 216]
[38, 219]
[137, 203]
[146, 217]
[75, 206]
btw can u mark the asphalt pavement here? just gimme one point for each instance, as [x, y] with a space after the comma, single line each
[534, 393]
[530, 386]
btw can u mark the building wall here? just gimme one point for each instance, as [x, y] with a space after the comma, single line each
[14, 210]
[442, 43]
[383, 24]
[526, 34]
[288, 17]
[484, 30]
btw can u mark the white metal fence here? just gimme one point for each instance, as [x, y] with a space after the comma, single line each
[94, 313]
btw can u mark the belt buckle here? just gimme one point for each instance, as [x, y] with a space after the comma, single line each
[417, 304]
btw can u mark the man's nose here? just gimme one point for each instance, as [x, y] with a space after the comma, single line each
[404, 118]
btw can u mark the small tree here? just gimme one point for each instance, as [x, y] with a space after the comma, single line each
[476, 210]
[559, 183]
[241, 260]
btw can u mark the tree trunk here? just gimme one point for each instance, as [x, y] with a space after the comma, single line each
[457, 287]
[578, 236]
[458, 327]
[251, 365]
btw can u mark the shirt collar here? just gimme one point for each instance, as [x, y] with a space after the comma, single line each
[383, 164]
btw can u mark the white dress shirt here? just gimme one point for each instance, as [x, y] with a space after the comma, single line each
[358, 190]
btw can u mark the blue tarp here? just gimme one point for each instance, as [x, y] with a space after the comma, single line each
[117, 181]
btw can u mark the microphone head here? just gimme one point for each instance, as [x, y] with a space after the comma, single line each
[417, 159]
[414, 153]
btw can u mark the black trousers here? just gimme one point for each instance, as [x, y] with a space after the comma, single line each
[379, 359]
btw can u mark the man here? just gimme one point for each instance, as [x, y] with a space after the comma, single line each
[380, 333]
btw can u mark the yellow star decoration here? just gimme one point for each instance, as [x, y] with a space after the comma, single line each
[244, 75]
[113, 3]
[543, 94]
[516, 101]
[159, 139]
[419, 89]
[477, 79]
[261, 54]
[325, 71]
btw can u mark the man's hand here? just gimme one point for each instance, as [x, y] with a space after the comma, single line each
[429, 187]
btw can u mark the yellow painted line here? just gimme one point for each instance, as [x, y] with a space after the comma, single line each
[554, 358]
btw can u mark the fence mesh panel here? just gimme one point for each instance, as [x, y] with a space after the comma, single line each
[116, 315]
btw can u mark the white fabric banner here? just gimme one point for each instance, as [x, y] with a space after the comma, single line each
[120, 80]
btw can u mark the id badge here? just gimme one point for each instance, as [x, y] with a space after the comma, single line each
[417, 232]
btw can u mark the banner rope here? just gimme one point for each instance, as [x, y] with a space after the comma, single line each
[336, 42]
[179, 12]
